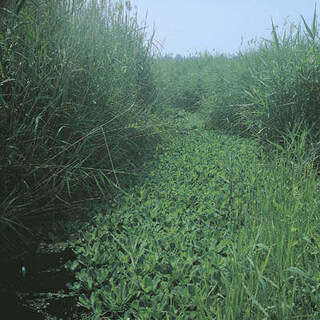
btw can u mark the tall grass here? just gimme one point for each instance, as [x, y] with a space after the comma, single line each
[75, 79]
[270, 87]
[274, 85]
[180, 80]
[272, 272]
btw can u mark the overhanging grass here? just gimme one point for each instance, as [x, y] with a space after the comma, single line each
[75, 89]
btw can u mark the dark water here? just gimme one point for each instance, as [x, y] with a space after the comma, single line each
[40, 292]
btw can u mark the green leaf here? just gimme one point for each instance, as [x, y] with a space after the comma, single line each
[300, 273]
[275, 35]
[74, 265]
[84, 302]
[6, 81]
[311, 31]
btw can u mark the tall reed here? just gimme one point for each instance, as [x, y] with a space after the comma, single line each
[75, 79]
[273, 87]
[269, 87]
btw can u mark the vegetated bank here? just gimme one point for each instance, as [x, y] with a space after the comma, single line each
[76, 89]
[76, 86]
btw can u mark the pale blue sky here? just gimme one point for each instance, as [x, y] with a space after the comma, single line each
[187, 26]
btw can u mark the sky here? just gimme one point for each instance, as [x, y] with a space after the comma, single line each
[222, 26]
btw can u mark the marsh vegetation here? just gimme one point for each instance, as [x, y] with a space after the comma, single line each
[151, 187]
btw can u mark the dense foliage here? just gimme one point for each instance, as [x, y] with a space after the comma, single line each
[217, 228]
[214, 230]
[75, 81]
[216, 225]
[269, 88]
